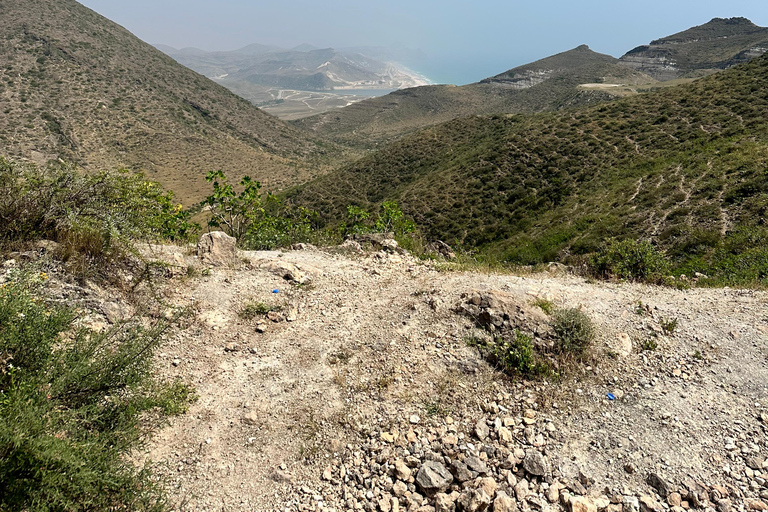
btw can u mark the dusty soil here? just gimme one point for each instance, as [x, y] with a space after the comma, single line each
[375, 355]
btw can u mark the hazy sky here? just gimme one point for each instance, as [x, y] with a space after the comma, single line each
[464, 41]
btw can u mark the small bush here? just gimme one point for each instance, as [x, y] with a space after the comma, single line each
[70, 407]
[630, 259]
[574, 331]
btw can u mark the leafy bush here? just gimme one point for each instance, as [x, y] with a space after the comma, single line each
[574, 331]
[70, 407]
[515, 354]
[258, 223]
[630, 259]
[97, 217]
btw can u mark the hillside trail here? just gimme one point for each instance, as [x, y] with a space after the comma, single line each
[368, 362]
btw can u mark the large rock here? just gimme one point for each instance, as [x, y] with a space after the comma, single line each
[534, 463]
[474, 500]
[433, 477]
[217, 249]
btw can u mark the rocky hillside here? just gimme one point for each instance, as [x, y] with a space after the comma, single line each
[76, 86]
[345, 380]
[684, 166]
[716, 45]
[548, 84]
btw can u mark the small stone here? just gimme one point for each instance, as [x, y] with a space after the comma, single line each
[625, 344]
[474, 500]
[648, 504]
[443, 503]
[521, 489]
[758, 505]
[389, 437]
[231, 347]
[328, 474]
[461, 471]
[217, 249]
[630, 504]
[488, 485]
[477, 465]
[674, 499]
[505, 436]
[399, 489]
[414, 419]
[504, 503]
[630, 468]
[481, 430]
[581, 504]
[385, 503]
[402, 471]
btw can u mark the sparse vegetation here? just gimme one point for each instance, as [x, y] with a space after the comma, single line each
[253, 309]
[668, 325]
[71, 401]
[545, 305]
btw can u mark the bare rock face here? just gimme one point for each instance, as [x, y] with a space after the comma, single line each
[217, 249]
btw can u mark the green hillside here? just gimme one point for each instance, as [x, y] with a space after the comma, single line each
[76, 86]
[684, 166]
[547, 84]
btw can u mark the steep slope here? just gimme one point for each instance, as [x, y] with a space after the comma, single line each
[685, 165]
[548, 84]
[716, 45]
[76, 86]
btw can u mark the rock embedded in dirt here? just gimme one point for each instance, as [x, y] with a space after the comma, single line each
[581, 504]
[662, 486]
[504, 503]
[217, 249]
[433, 477]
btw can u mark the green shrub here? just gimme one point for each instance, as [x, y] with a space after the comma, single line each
[630, 259]
[97, 217]
[574, 331]
[70, 407]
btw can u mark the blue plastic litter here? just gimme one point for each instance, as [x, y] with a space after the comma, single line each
[611, 397]
[275, 291]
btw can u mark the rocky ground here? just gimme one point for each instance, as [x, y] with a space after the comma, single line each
[342, 380]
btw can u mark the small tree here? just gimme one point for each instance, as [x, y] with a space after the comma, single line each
[233, 212]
